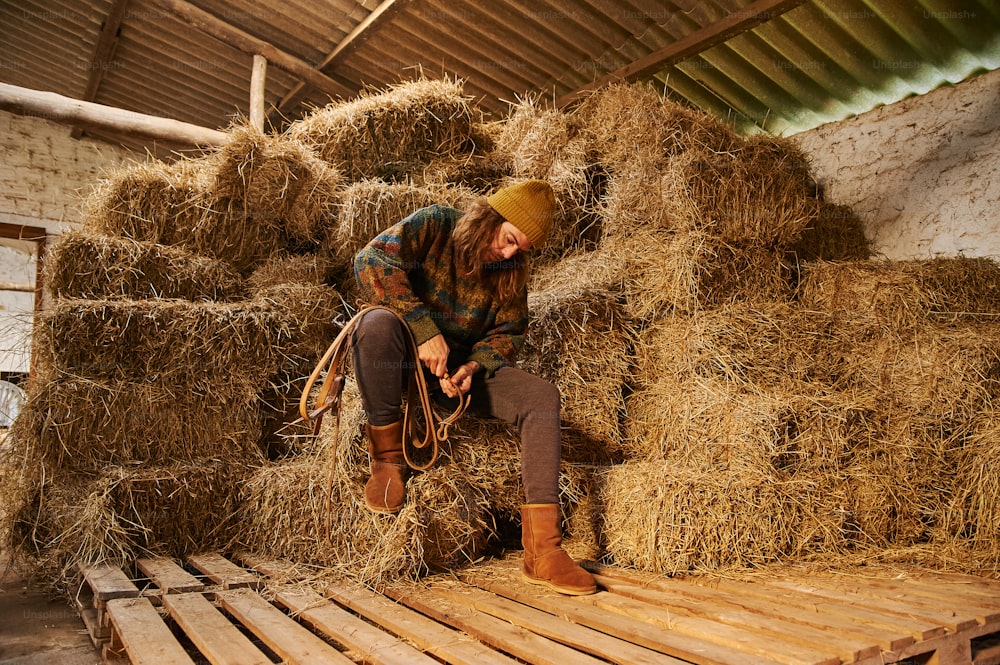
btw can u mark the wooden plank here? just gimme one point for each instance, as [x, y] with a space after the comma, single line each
[781, 606]
[942, 594]
[449, 645]
[221, 642]
[751, 644]
[222, 571]
[293, 642]
[377, 646]
[547, 625]
[146, 639]
[858, 596]
[108, 582]
[987, 655]
[168, 576]
[847, 648]
[650, 636]
[514, 640]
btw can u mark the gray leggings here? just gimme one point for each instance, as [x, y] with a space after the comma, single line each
[512, 395]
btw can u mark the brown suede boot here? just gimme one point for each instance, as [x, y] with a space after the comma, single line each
[385, 491]
[545, 561]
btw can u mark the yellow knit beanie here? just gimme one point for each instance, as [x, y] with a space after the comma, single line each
[528, 205]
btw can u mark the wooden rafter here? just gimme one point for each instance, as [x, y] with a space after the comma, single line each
[104, 50]
[701, 40]
[379, 16]
[247, 43]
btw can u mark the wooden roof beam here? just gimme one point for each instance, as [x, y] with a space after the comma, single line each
[701, 40]
[104, 50]
[250, 45]
[378, 17]
[57, 108]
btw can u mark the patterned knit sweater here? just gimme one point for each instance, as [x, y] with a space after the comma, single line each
[411, 268]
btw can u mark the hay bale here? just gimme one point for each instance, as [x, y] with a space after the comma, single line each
[775, 347]
[285, 268]
[946, 371]
[286, 514]
[660, 518]
[759, 195]
[123, 513]
[633, 124]
[86, 424]
[80, 264]
[705, 425]
[392, 132]
[369, 207]
[899, 482]
[578, 340]
[637, 199]
[480, 174]
[836, 234]
[201, 347]
[150, 201]
[901, 294]
[240, 204]
[264, 181]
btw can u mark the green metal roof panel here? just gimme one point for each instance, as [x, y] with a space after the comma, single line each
[830, 59]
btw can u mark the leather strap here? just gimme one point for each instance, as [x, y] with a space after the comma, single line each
[331, 390]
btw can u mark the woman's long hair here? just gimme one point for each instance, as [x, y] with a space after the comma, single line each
[474, 234]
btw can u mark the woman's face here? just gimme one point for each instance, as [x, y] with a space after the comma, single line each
[507, 242]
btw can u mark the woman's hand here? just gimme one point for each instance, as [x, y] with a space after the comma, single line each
[434, 355]
[460, 382]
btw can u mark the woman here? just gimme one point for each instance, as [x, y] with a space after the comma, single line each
[459, 281]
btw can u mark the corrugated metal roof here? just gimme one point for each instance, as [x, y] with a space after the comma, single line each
[821, 61]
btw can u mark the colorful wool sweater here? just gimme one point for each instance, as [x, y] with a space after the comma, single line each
[411, 268]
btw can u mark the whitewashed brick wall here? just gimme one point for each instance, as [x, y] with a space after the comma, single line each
[44, 175]
[44, 172]
[923, 174]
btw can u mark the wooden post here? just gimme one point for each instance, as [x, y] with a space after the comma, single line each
[258, 86]
[50, 106]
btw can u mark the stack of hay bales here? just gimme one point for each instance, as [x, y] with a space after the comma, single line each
[741, 382]
[159, 347]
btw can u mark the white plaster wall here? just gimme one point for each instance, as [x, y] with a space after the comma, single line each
[923, 174]
[44, 176]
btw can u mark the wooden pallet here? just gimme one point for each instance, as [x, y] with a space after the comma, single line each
[212, 610]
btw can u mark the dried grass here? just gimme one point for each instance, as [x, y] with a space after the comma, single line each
[836, 234]
[944, 371]
[578, 339]
[899, 295]
[703, 425]
[273, 180]
[973, 514]
[86, 424]
[633, 124]
[79, 264]
[122, 513]
[197, 347]
[392, 132]
[150, 201]
[240, 204]
[285, 268]
[759, 195]
[285, 515]
[660, 518]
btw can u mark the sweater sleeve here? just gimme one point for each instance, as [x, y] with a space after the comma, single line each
[502, 343]
[380, 269]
